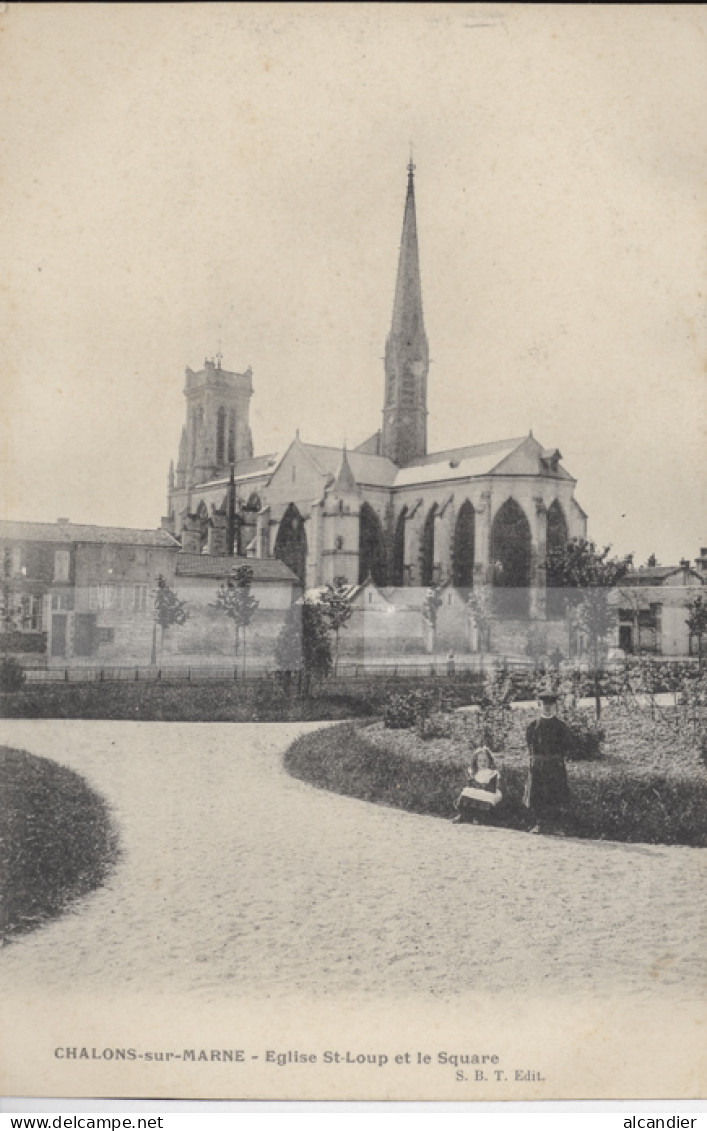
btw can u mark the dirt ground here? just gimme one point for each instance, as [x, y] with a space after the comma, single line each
[235, 877]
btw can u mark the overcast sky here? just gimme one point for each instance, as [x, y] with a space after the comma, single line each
[182, 176]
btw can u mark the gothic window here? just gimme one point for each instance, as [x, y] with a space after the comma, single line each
[556, 540]
[463, 554]
[232, 436]
[556, 528]
[510, 559]
[202, 514]
[398, 572]
[194, 427]
[427, 548]
[371, 547]
[220, 436]
[291, 542]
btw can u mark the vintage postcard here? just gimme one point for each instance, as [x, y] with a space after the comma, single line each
[353, 713]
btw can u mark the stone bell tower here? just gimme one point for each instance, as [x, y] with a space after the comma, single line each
[404, 437]
[216, 433]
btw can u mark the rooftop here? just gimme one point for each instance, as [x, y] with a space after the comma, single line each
[76, 532]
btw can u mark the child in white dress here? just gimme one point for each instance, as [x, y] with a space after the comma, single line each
[481, 794]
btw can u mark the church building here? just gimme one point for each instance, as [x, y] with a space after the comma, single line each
[388, 510]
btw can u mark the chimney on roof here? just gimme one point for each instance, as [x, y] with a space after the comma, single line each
[62, 521]
[684, 563]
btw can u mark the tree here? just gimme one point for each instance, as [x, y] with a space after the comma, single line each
[588, 575]
[479, 608]
[316, 648]
[430, 608]
[236, 601]
[288, 647]
[696, 622]
[168, 610]
[303, 645]
[336, 610]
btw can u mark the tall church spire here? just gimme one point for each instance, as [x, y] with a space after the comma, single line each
[406, 351]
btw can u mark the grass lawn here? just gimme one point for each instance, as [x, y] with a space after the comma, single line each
[643, 788]
[211, 701]
[57, 841]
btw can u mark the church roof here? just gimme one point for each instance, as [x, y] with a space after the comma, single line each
[252, 468]
[372, 471]
[457, 463]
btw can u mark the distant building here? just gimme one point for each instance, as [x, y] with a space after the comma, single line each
[78, 591]
[75, 594]
[651, 613]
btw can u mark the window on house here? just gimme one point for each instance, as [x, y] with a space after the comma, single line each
[63, 602]
[18, 560]
[105, 635]
[61, 565]
[140, 598]
[30, 613]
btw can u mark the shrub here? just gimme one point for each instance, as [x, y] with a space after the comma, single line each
[586, 737]
[402, 711]
[399, 711]
[12, 677]
[58, 842]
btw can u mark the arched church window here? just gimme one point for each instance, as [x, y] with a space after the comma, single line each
[194, 419]
[463, 547]
[232, 436]
[427, 548]
[556, 540]
[510, 553]
[371, 547]
[291, 542]
[398, 571]
[220, 436]
[202, 513]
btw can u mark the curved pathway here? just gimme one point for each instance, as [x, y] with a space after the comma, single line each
[234, 876]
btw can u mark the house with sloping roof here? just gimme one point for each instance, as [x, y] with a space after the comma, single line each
[76, 595]
[484, 514]
[650, 607]
[72, 592]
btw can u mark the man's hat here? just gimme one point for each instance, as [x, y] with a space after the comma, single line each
[547, 695]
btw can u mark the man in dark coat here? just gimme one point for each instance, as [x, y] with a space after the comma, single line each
[546, 790]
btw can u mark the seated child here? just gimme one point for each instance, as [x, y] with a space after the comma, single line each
[482, 793]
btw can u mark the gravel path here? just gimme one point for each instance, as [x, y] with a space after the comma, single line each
[235, 877]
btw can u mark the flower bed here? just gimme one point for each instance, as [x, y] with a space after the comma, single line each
[644, 788]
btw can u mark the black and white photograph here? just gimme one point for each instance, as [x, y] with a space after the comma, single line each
[353, 551]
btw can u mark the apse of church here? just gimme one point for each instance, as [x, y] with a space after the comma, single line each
[387, 511]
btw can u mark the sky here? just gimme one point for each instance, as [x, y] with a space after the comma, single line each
[184, 178]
